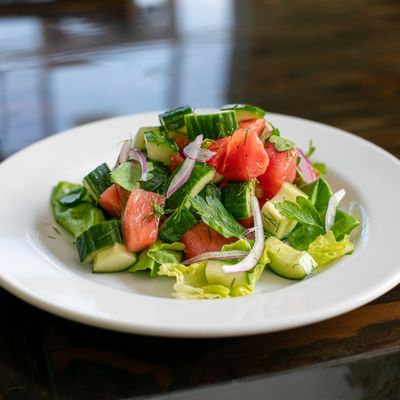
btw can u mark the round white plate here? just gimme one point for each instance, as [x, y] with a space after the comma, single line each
[39, 263]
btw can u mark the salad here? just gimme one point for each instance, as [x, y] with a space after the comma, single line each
[210, 200]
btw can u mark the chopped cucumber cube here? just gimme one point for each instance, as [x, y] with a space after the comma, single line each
[159, 147]
[113, 259]
[288, 262]
[245, 111]
[216, 276]
[274, 222]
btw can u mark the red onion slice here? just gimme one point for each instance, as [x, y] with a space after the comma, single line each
[216, 255]
[137, 155]
[333, 203]
[202, 155]
[306, 168]
[255, 254]
[186, 168]
[124, 153]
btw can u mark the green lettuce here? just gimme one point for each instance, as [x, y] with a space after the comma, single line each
[80, 214]
[325, 248]
[191, 281]
[157, 254]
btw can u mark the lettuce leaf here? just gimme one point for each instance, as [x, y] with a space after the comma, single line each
[191, 281]
[325, 248]
[157, 254]
[74, 218]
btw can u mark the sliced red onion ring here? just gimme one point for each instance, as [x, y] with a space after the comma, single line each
[137, 155]
[186, 168]
[216, 255]
[203, 155]
[306, 168]
[255, 254]
[333, 203]
[124, 153]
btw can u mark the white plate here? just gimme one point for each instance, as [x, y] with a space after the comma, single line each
[41, 267]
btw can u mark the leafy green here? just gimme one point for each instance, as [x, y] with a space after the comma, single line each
[211, 190]
[77, 218]
[191, 282]
[214, 214]
[159, 179]
[326, 248]
[275, 132]
[311, 149]
[129, 173]
[158, 254]
[344, 224]
[319, 193]
[303, 235]
[281, 144]
[302, 210]
[143, 263]
[74, 197]
[320, 167]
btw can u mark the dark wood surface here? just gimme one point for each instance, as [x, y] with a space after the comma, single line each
[67, 63]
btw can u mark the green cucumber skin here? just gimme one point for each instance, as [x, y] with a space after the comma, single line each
[237, 197]
[113, 259]
[201, 175]
[180, 221]
[98, 180]
[211, 126]
[98, 237]
[174, 118]
[159, 146]
[245, 111]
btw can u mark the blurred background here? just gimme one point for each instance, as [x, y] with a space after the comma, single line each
[64, 63]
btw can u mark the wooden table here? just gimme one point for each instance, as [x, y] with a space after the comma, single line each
[68, 62]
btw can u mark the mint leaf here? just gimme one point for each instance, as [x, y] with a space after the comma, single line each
[311, 149]
[319, 193]
[303, 235]
[127, 175]
[275, 132]
[344, 224]
[214, 214]
[281, 144]
[302, 210]
[320, 167]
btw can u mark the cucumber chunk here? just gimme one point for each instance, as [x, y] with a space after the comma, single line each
[159, 147]
[139, 138]
[180, 221]
[211, 126]
[113, 259]
[237, 197]
[98, 237]
[274, 222]
[287, 261]
[245, 111]
[201, 175]
[215, 275]
[174, 119]
[97, 181]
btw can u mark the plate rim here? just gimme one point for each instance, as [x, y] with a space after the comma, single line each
[220, 331]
